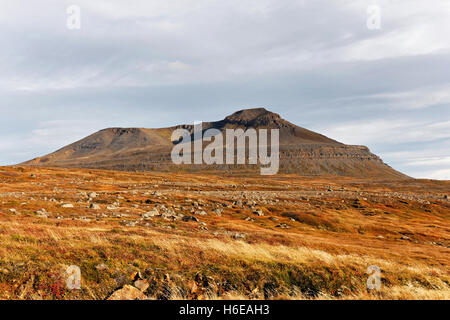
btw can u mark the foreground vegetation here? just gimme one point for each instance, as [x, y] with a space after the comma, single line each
[186, 236]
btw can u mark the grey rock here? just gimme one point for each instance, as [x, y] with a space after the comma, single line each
[238, 235]
[152, 213]
[94, 206]
[258, 212]
[42, 214]
[101, 267]
[190, 218]
[128, 223]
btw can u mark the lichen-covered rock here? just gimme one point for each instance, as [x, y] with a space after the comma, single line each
[127, 292]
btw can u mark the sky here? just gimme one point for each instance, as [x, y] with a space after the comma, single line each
[326, 65]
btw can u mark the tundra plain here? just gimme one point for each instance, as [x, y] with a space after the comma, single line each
[150, 235]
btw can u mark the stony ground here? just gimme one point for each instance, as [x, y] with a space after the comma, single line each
[210, 236]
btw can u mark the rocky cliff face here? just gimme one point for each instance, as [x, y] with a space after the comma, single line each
[302, 151]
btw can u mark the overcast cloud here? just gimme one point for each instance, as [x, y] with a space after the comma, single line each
[153, 63]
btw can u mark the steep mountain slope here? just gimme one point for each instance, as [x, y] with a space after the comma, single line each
[301, 151]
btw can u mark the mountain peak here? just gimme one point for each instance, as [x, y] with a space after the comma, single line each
[301, 151]
[254, 117]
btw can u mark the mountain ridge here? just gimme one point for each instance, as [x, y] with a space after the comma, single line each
[302, 151]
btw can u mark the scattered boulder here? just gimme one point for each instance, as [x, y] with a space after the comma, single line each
[94, 206]
[101, 267]
[238, 204]
[42, 213]
[127, 292]
[190, 218]
[141, 284]
[85, 219]
[258, 212]
[238, 235]
[152, 213]
[93, 195]
[67, 205]
[128, 223]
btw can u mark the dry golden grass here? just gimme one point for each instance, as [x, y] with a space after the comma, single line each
[331, 239]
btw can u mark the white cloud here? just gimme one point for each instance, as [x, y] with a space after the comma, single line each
[57, 133]
[388, 131]
[433, 161]
[443, 174]
[218, 40]
[428, 163]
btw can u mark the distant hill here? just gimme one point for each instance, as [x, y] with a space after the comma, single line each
[302, 151]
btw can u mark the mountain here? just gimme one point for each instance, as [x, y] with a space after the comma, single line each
[302, 151]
